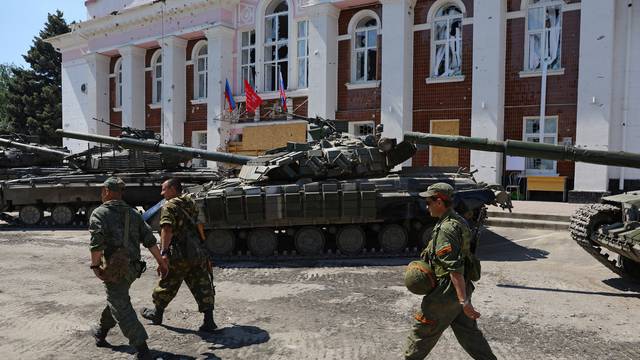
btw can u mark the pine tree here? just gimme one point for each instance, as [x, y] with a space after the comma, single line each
[6, 72]
[35, 94]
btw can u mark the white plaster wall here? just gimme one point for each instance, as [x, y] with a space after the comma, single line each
[487, 100]
[595, 82]
[75, 103]
[323, 60]
[98, 8]
[397, 68]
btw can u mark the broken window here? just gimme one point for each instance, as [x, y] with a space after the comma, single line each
[303, 54]
[248, 58]
[545, 131]
[365, 50]
[156, 68]
[276, 45]
[446, 48]
[200, 67]
[544, 30]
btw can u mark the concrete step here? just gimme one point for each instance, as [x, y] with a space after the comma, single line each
[529, 216]
[528, 223]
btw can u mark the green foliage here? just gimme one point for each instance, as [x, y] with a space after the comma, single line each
[6, 72]
[34, 96]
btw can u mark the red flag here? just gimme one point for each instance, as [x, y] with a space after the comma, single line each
[253, 100]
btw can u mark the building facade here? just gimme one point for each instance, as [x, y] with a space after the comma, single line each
[468, 67]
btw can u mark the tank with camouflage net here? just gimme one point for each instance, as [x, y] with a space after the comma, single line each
[336, 194]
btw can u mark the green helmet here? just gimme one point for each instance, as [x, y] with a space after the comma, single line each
[419, 278]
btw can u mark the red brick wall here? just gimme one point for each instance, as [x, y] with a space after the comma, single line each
[522, 95]
[442, 101]
[360, 104]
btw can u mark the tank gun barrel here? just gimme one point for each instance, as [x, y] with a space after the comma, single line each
[34, 148]
[529, 149]
[156, 146]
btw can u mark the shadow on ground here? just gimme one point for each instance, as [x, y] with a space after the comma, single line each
[231, 337]
[495, 247]
[155, 354]
[599, 293]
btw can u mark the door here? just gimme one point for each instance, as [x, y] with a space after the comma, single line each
[442, 156]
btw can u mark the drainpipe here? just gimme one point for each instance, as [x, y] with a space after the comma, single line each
[627, 74]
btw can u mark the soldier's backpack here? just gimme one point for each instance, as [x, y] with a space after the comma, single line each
[188, 246]
[116, 266]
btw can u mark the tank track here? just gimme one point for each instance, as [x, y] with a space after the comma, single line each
[585, 222]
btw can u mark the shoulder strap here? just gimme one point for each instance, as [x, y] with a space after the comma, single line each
[186, 214]
[127, 223]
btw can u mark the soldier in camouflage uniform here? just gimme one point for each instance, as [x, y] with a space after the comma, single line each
[108, 226]
[188, 261]
[449, 304]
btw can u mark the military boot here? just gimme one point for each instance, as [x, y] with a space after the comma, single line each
[208, 325]
[100, 336]
[142, 352]
[155, 315]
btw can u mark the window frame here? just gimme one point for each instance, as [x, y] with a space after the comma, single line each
[249, 65]
[360, 16]
[446, 42]
[541, 135]
[278, 43]
[156, 98]
[117, 71]
[199, 163]
[354, 125]
[544, 34]
[195, 56]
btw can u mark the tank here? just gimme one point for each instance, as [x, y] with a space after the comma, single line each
[18, 157]
[609, 227]
[336, 194]
[70, 191]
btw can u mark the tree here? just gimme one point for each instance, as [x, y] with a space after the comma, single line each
[6, 73]
[34, 95]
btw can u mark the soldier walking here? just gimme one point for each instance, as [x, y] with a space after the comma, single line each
[449, 304]
[180, 241]
[117, 231]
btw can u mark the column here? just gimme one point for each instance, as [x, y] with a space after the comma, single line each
[133, 86]
[595, 90]
[220, 62]
[397, 68]
[487, 100]
[174, 89]
[85, 96]
[323, 60]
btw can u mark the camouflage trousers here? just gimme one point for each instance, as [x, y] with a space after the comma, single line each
[197, 278]
[436, 315]
[119, 311]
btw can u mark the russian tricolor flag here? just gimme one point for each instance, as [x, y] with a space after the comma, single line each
[228, 96]
[283, 95]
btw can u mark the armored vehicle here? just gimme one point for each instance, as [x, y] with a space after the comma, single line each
[337, 193]
[70, 191]
[19, 158]
[612, 226]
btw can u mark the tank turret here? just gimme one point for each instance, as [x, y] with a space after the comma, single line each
[19, 154]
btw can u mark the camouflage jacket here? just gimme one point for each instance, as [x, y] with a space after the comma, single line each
[107, 223]
[181, 213]
[445, 250]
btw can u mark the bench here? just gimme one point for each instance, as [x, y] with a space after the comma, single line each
[547, 183]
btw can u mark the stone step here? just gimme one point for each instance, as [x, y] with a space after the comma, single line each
[518, 215]
[528, 223]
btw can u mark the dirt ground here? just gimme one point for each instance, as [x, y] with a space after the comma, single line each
[541, 297]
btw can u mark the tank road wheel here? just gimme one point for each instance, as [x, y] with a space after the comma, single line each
[350, 239]
[309, 241]
[220, 242]
[62, 214]
[393, 238]
[425, 236]
[31, 215]
[262, 242]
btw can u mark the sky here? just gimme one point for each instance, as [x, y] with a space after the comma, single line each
[22, 20]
